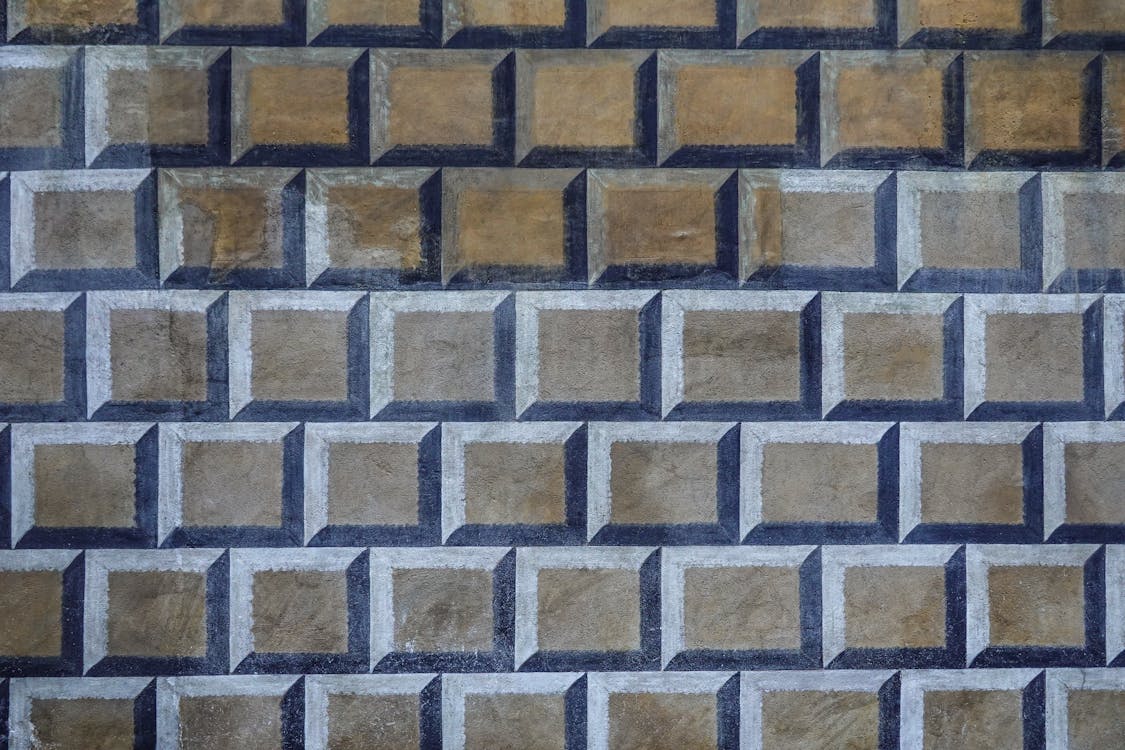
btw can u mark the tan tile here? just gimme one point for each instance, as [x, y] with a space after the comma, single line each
[31, 106]
[230, 228]
[300, 611]
[589, 610]
[735, 105]
[806, 219]
[1097, 718]
[372, 722]
[1052, 341]
[588, 102]
[87, 723]
[511, 720]
[741, 355]
[1084, 16]
[299, 355]
[964, 719]
[520, 13]
[158, 355]
[1094, 225]
[442, 610]
[515, 483]
[444, 356]
[379, 13]
[293, 105]
[663, 721]
[663, 483]
[972, 483]
[743, 608]
[819, 483]
[79, 13]
[894, 607]
[1036, 605]
[156, 613]
[230, 12]
[820, 720]
[248, 722]
[659, 224]
[80, 485]
[1095, 472]
[970, 229]
[589, 355]
[158, 105]
[32, 604]
[373, 226]
[626, 13]
[31, 356]
[232, 483]
[894, 356]
[373, 484]
[806, 14]
[440, 104]
[81, 229]
[963, 15]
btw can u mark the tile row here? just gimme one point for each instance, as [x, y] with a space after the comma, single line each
[473, 228]
[120, 485]
[560, 355]
[67, 107]
[1054, 709]
[997, 24]
[551, 609]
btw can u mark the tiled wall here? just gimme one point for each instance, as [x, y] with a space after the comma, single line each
[562, 374]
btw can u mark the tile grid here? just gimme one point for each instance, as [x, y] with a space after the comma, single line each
[605, 374]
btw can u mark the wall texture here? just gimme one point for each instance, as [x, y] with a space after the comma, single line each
[562, 374]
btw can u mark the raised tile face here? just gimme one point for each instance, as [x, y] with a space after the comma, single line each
[79, 229]
[737, 355]
[972, 483]
[374, 226]
[31, 356]
[32, 601]
[1092, 471]
[300, 611]
[160, 105]
[972, 718]
[809, 14]
[372, 484]
[1094, 225]
[442, 610]
[662, 721]
[1083, 17]
[616, 13]
[970, 229]
[518, 13]
[85, 485]
[589, 355]
[252, 722]
[575, 614]
[1095, 718]
[1054, 340]
[372, 722]
[231, 483]
[795, 718]
[444, 356]
[742, 608]
[95, 723]
[819, 483]
[382, 13]
[894, 607]
[1036, 605]
[535, 722]
[515, 483]
[31, 105]
[157, 613]
[889, 357]
[299, 355]
[76, 13]
[663, 483]
[158, 355]
[224, 12]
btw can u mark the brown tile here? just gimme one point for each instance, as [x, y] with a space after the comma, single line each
[1083, 17]
[1095, 472]
[248, 722]
[372, 722]
[663, 721]
[966, 719]
[162, 104]
[663, 483]
[80, 229]
[31, 104]
[820, 720]
[158, 355]
[227, 12]
[589, 355]
[83, 485]
[1052, 341]
[444, 356]
[742, 608]
[1024, 102]
[299, 355]
[374, 226]
[79, 13]
[520, 13]
[653, 224]
[790, 228]
[87, 723]
[1094, 226]
[741, 355]
[442, 610]
[819, 483]
[813, 14]
[894, 607]
[972, 483]
[31, 356]
[970, 229]
[32, 604]
[1113, 107]
[373, 484]
[515, 483]
[1036, 605]
[437, 99]
[1096, 718]
[960, 15]
[381, 13]
[156, 613]
[594, 609]
[232, 483]
[689, 14]
[511, 721]
[295, 105]
[891, 357]
[300, 611]
[227, 228]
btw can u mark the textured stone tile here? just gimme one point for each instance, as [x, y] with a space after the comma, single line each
[1082, 20]
[963, 708]
[961, 22]
[1082, 232]
[33, 596]
[33, 349]
[520, 22]
[656, 711]
[350, 712]
[39, 108]
[98, 713]
[213, 712]
[229, 22]
[1082, 467]
[1084, 707]
[508, 711]
[804, 23]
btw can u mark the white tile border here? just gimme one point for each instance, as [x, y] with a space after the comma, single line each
[24, 692]
[1113, 346]
[916, 682]
[1056, 437]
[1057, 187]
[169, 691]
[456, 687]
[1060, 683]
[1114, 602]
[318, 688]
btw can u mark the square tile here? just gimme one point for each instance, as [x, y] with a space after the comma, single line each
[388, 22]
[39, 591]
[626, 23]
[253, 712]
[39, 335]
[969, 708]
[1070, 23]
[1084, 708]
[254, 22]
[1082, 465]
[585, 353]
[808, 23]
[661, 711]
[377, 712]
[488, 23]
[494, 711]
[76, 21]
[92, 712]
[963, 23]
[441, 354]
[40, 125]
[1082, 232]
